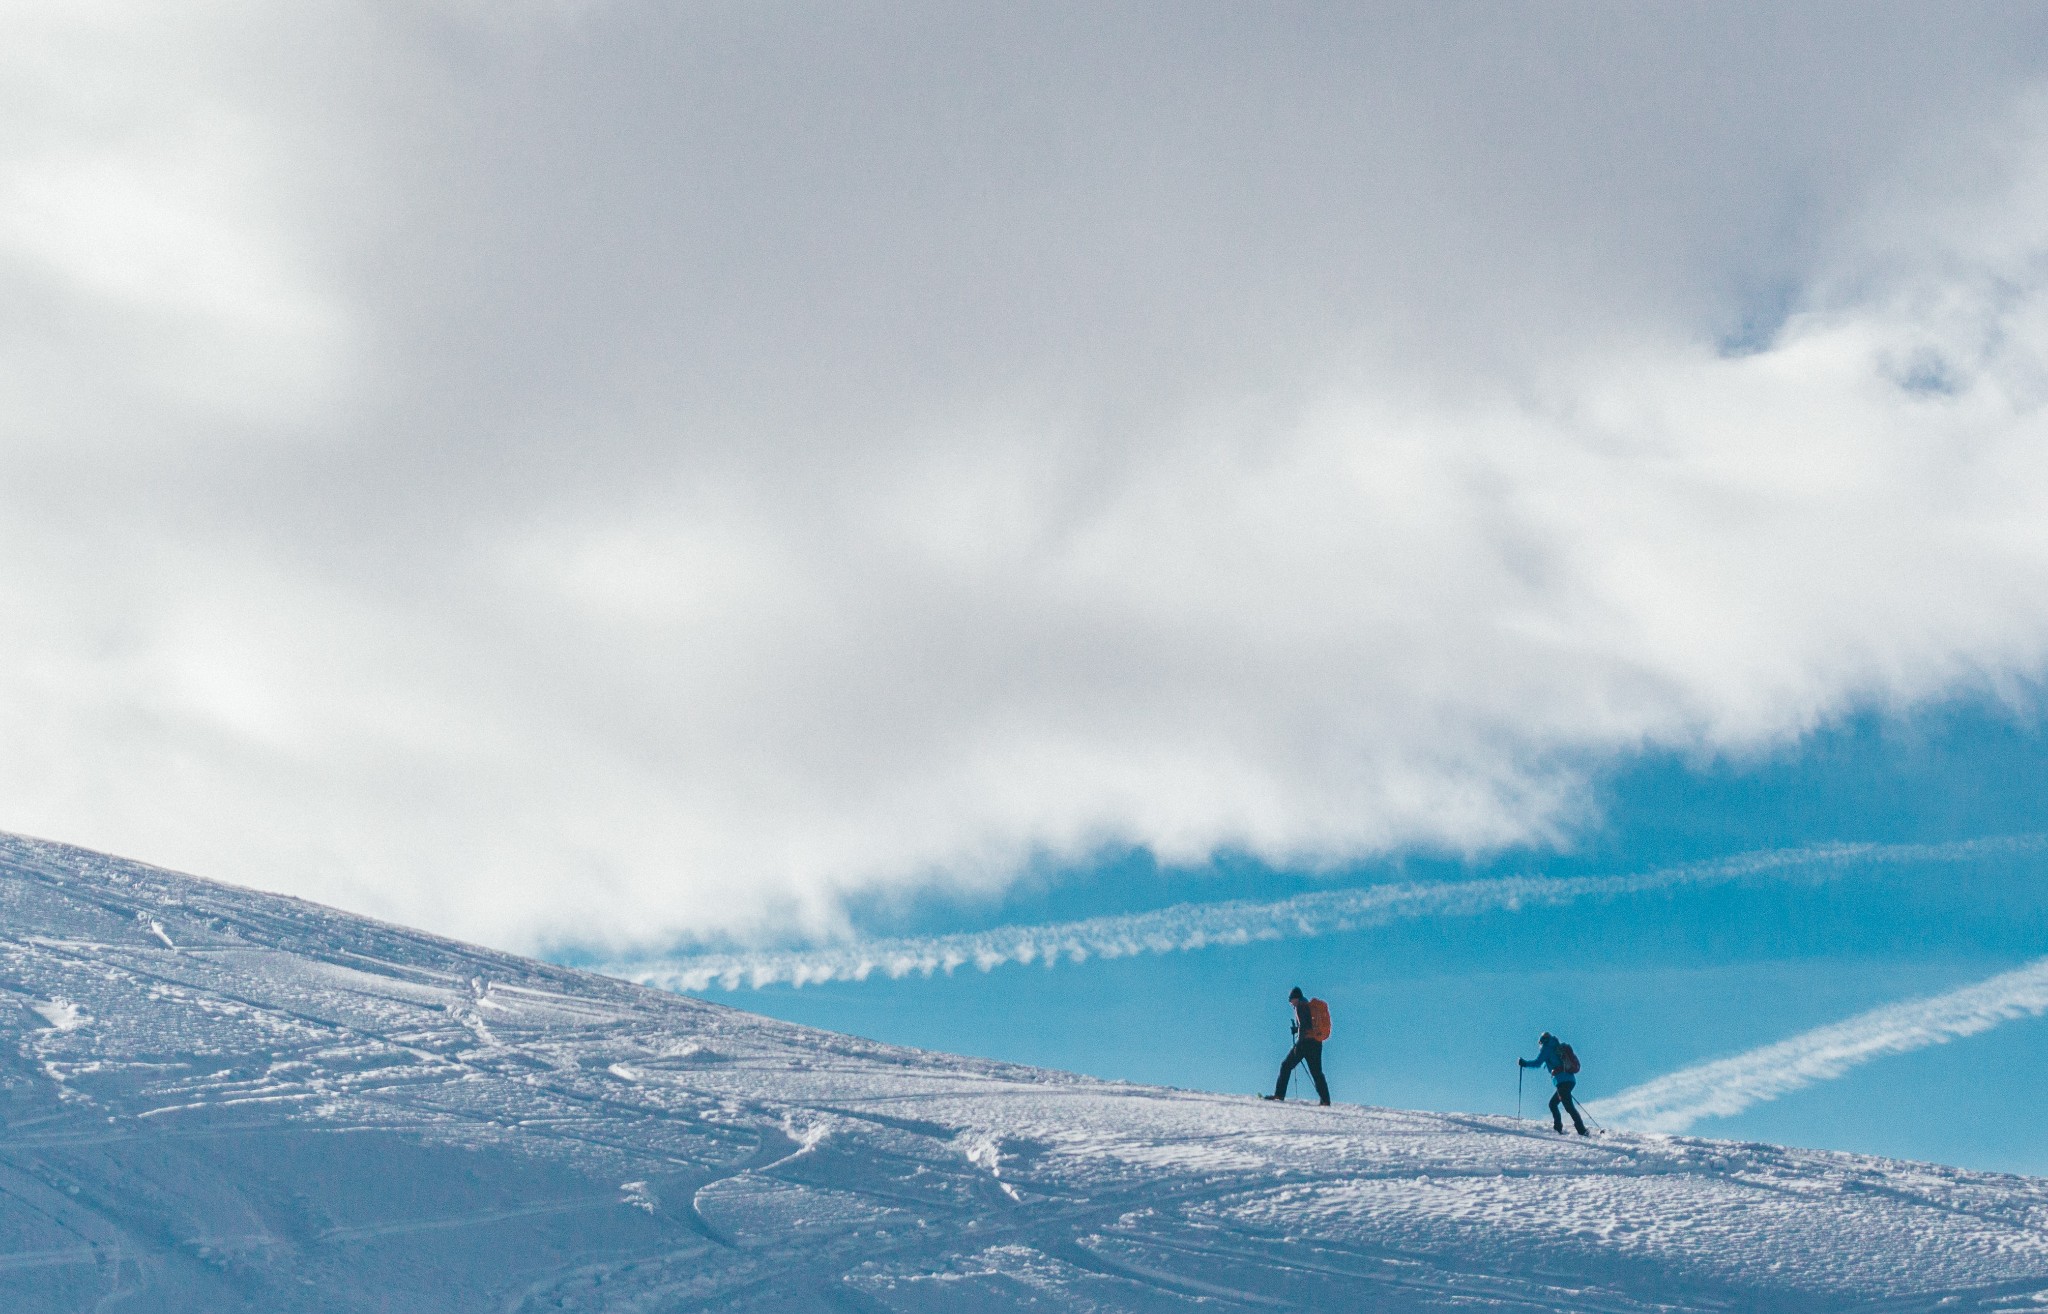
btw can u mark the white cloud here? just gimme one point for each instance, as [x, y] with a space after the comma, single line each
[1724, 1087]
[638, 471]
[146, 240]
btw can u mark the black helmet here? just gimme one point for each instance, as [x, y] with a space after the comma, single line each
[1545, 1038]
[1296, 993]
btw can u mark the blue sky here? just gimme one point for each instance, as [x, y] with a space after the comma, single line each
[1431, 1010]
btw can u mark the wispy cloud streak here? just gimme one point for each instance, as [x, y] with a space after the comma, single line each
[1203, 925]
[1673, 1103]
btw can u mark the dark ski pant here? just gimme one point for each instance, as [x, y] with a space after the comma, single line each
[1311, 1053]
[1564, 1097]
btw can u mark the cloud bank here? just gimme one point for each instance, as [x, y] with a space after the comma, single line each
[605, 473]
[1674, 1102]
[1190, 926]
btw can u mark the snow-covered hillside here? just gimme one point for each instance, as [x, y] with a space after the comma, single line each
[217, 1100]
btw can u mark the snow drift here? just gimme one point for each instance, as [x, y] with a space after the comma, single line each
[218, 1100]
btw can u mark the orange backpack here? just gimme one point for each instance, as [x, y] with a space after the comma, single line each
[1318, 1020]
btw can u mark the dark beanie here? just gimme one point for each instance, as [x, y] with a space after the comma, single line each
[1296, 993]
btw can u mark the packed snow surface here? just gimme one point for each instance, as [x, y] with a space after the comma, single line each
[218, 1100]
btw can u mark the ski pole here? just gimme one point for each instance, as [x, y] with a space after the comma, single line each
[1520, 1071]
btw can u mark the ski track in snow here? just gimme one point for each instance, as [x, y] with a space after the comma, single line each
[1190, 926]
[217, 1100]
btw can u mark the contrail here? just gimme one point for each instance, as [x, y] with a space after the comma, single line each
[1201, 925]
[1673, 1103]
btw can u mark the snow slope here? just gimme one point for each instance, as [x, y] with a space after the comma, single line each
[218, 1100]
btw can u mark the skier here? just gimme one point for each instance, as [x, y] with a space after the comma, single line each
[1557, 1056]
[1311, 1027]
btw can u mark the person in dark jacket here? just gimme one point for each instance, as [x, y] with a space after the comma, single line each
[1305, 1051]
[1549, 1055]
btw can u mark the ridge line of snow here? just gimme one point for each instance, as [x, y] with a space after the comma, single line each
[1717, 1089]
[1190, 926]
